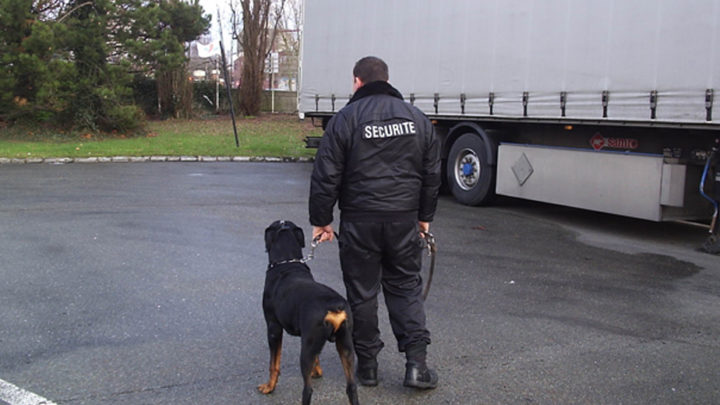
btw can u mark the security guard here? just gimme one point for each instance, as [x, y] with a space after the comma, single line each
[380, 160]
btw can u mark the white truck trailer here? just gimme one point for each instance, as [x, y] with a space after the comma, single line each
[606, 105]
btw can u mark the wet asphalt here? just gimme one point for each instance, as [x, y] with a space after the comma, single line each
[141, 283]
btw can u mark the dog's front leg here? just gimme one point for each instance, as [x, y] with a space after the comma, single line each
[275, 333]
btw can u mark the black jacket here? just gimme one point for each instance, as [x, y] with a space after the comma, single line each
[379, 158]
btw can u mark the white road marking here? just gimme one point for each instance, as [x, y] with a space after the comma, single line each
[18, 396]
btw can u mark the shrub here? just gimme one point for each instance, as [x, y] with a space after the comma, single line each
[123, 118]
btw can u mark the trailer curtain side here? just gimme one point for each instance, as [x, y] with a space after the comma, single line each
[611, 59]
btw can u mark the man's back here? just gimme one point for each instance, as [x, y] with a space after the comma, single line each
[384, 153]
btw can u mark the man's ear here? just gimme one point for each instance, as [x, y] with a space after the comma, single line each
[357, 83]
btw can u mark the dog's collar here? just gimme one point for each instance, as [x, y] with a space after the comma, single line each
[304, 260]
[273, 265]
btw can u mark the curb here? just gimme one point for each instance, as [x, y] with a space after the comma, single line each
[138, 159]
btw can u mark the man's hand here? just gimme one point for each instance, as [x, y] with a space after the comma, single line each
[424, 227]
[325, 233]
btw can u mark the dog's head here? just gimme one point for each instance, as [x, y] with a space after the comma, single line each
[284, 241]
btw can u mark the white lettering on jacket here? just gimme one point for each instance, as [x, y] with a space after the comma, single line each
[389, 130]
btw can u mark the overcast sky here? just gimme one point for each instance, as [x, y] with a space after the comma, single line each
[211, 7]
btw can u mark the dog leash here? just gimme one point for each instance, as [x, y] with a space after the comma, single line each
[315, 242]
[432, 252]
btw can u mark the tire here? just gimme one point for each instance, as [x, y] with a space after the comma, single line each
[470, 176]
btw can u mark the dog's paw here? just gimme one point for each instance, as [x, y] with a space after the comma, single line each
[266, 388]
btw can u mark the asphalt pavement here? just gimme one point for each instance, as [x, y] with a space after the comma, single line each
[141, 283]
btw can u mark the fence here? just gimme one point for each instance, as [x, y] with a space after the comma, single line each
[145, 94]
[285, 101]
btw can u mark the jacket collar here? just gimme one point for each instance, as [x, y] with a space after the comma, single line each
[374, 88]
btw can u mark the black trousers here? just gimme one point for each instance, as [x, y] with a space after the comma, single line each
[387, 255]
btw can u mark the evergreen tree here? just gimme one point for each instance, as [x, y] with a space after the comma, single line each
[156, 38]
[33, 74]
[102, 89]
[71, 62]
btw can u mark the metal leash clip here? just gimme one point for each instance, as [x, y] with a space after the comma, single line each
[429, 242]
[313, 244]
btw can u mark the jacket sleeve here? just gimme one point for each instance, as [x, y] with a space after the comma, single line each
[431, 176]
[327, 173]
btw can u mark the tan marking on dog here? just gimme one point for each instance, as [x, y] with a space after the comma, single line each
[275, 358]
[317, 370]
[336, 319]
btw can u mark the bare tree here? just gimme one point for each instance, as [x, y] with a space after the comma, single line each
[260, 19]
[289, 26]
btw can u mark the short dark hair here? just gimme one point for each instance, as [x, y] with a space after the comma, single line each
[371, 69]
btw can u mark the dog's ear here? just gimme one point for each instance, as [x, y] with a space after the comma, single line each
[300, 236]
[269, 236]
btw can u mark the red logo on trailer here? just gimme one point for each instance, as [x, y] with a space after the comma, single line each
[599, 142]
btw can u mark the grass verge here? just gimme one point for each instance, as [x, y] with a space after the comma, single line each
[266, 135]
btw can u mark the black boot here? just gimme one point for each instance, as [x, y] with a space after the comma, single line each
[420, 376]
[417, 373]
[367, 372]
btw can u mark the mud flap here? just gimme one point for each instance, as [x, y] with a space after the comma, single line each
[712, 245]
[712, 167]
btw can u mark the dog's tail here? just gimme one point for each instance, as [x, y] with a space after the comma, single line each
[334, 320]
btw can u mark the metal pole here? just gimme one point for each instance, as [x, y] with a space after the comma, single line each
[229, 93]
[272, 91]
[217, 88]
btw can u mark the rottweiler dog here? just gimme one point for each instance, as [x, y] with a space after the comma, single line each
[294, 302]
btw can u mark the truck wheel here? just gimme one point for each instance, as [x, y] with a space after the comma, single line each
[471, 178]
